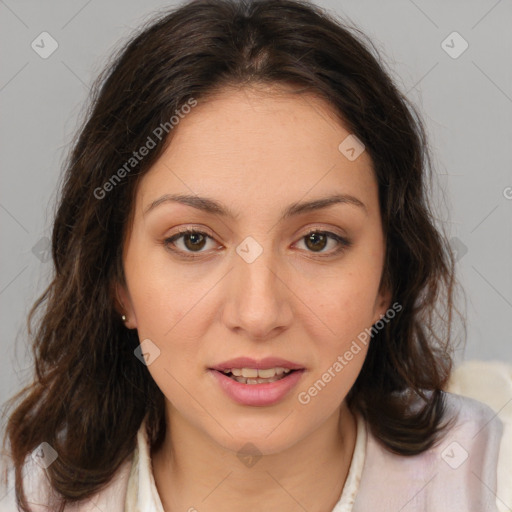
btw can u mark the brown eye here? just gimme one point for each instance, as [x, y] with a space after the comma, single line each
[316, 241]
[193, 241]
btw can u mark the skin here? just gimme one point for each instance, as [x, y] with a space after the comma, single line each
[255, 150]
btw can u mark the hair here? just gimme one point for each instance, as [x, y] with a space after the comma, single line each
[89, 393]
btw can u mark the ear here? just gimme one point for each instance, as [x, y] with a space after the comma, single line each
[382, 303]
[124, 306]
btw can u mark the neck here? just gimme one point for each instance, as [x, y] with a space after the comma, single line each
[192, 471]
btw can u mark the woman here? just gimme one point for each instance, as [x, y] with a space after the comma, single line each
[248, 279]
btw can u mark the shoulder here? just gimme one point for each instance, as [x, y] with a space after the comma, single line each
[458, 474]
[490, 382]
[42, 497]
[472, 420]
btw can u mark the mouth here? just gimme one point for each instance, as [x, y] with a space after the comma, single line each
[257, 383]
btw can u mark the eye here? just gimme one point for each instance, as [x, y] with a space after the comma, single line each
[193, 240]
[316, 241]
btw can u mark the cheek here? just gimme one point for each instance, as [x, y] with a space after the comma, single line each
[346, 296]
[346, 304]
[346, 309]
[331, 380]
[172, 311]
[340, 350]
[161, 295]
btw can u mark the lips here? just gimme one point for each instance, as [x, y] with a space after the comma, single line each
[261, 364]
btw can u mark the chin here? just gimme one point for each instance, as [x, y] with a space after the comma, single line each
[266, 439]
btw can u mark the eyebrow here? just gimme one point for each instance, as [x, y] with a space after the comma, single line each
[212, 206]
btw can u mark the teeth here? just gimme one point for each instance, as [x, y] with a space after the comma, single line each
[253, 373]
[257, 376]
[265, 374]
[243, 380]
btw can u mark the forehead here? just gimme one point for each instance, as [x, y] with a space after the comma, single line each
[265, 143]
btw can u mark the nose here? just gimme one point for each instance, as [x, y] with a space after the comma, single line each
[258, 296]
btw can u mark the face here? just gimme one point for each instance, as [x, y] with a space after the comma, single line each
[261, 275]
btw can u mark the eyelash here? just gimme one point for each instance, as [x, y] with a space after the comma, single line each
[343, 242]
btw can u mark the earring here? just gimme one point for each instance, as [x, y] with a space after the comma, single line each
[123, 318]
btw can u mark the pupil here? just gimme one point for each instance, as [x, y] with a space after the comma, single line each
[192, 237]
[312, 237]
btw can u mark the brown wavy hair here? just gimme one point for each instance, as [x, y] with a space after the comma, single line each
[90, 393]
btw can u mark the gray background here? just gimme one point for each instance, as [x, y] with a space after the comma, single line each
[466, 103]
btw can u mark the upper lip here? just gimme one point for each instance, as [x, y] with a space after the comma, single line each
[261, 364]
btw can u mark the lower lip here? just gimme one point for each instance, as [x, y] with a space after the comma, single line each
[258, 394]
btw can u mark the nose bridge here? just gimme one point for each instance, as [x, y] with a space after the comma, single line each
[255, 268]
[257, 299]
